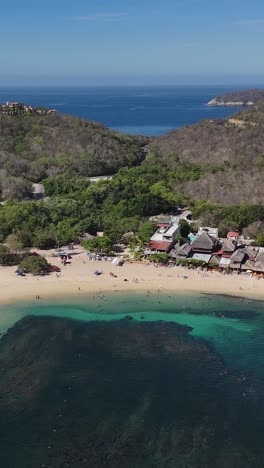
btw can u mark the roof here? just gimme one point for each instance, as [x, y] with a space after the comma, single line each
[203, 242]
[182, 251]
[224, 262]
[251, 252]
[238, 256]
[159, 245]
[163, 225]
[248, 265]
[210, 230]
[233, 234]
[201, 257]
[228, 247]
[38, 189]
[171, 230]
[215, 260]
[259, 263]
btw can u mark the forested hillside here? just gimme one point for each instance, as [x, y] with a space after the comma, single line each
[214, 167]
[35, 147]
[229, 154]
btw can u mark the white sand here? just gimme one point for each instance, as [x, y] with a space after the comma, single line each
[79, 279]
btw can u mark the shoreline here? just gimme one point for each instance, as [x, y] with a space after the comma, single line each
[78, 280]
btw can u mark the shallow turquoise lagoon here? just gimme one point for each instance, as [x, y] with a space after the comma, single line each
[233, 327]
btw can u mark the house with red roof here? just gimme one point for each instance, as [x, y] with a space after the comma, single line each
[164, 238]
[233, 235]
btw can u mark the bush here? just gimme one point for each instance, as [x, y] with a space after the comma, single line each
[98, 245]
[8, 258]
[36, 265]
[159, 258]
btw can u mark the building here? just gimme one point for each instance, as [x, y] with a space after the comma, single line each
[213, 232]
[181, 252]
[236, 259]
[164, 238]
[205, 244]
[38, 190]
[259, 263]
[233, 236]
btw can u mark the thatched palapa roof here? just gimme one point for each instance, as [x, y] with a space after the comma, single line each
[181, 252]
[204, 243]
[229, 247]
[259, 263]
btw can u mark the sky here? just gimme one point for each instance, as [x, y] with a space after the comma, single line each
[131, 41]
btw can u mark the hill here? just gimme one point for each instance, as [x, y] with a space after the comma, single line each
[228, 155]
[35, 147]
[238, 98]
[217, 160]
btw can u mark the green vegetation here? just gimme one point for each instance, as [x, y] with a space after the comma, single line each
[146, 230]
[211, 161]
[184, 228]
[33, 148]
[228, 217]
[245, 96]
[259, 241]
[159, 258]
[102, 245]
[36, 265]
[8, 258]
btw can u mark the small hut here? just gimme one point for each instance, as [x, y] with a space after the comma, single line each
[229, 248]
[214, 261]
[259, 263]
[248, 265]
[182, 252]
[236, 259]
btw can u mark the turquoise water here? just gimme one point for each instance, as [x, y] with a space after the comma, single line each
[121, 384]
[233, 327]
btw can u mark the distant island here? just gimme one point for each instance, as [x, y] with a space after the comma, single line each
[18, 109]
[238, 98]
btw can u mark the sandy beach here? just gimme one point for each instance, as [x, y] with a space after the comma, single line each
[78, 278]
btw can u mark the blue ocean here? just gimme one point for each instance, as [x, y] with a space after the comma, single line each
[134, 110]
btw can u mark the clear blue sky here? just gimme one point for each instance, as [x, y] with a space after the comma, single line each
[125, 41]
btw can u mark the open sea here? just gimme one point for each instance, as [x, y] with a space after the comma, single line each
[152, 110]
[119, 380]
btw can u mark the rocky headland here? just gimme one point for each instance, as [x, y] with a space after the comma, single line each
[238, 98]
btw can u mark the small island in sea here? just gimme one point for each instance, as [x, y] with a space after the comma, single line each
[238, 98]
